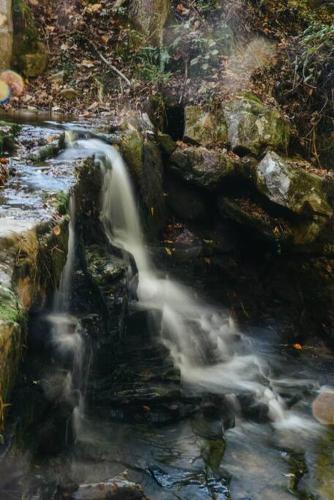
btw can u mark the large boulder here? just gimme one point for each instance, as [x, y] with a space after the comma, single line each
[286, 183]
[29, 53]
[202, 167]
[287, 204]
[252, 126]
[185, 201]
[6, 33]
[204, 127]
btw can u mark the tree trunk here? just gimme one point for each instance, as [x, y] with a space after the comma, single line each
[150, 17]
[6, 33]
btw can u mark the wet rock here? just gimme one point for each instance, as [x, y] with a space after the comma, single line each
[205, 128]
[253, 126]
[185, 201]
[253, 409]
[187, 245]
[323, 407]
[255, 218]
[49, 150]
[285, 183]
[167, 144]
[202, 167]
[143, 157]
[115, 489]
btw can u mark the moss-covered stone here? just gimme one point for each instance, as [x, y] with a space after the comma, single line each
[143, 157]
[253, 126]
[206, 128]
[287, 184]
[29, 53]
[202, 167]
[167, 144]
[132, 146]
[49, 150]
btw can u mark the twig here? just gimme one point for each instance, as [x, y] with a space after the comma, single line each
[111, 66]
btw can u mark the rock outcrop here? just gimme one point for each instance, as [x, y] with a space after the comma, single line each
[142, 154]
[33, 248]
[202, 167]
[204, 127]
[253, 126]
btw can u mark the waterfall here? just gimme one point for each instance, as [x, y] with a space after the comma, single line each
[66, 331]
[212, 355]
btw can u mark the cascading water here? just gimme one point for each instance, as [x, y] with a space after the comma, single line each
[212, 355]
[66, 331]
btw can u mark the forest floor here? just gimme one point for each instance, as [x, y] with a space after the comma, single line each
[209, 52]
[99, 63]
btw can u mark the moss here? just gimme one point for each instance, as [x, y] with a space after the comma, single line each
[213, 453]
[9, 310]
[253, 126]
[205, 127]
[132, 146]
[62, 203]
[7, 143]
[29, 54]
[167, 144]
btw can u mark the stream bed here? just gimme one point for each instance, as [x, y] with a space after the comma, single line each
[241, 425]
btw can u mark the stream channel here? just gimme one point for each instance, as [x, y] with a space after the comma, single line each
[224, 413]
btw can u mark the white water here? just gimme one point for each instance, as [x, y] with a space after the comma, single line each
[66, 331]
[210, 352]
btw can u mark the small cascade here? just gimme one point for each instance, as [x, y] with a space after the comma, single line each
[66, 332]
[212, 355]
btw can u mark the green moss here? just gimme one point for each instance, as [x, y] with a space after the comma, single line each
[9, 309]
[29, 54]
[63, 202]
[213, 453]
[132, 149]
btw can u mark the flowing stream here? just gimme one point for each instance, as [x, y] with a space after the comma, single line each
[205, 344]
[66, 332]
[285, 455]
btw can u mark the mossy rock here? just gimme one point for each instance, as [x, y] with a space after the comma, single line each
[7, 143]
[132, 147]
[143, 157]
[204, 127]
[167, 144]
[29, 53]
[252, 126]
[201, 166]
[287, 184]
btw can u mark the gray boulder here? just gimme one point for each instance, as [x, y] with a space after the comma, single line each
[202, 167]
[286, 183]
[252, 126]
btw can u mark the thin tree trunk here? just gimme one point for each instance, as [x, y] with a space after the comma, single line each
[6, 33]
